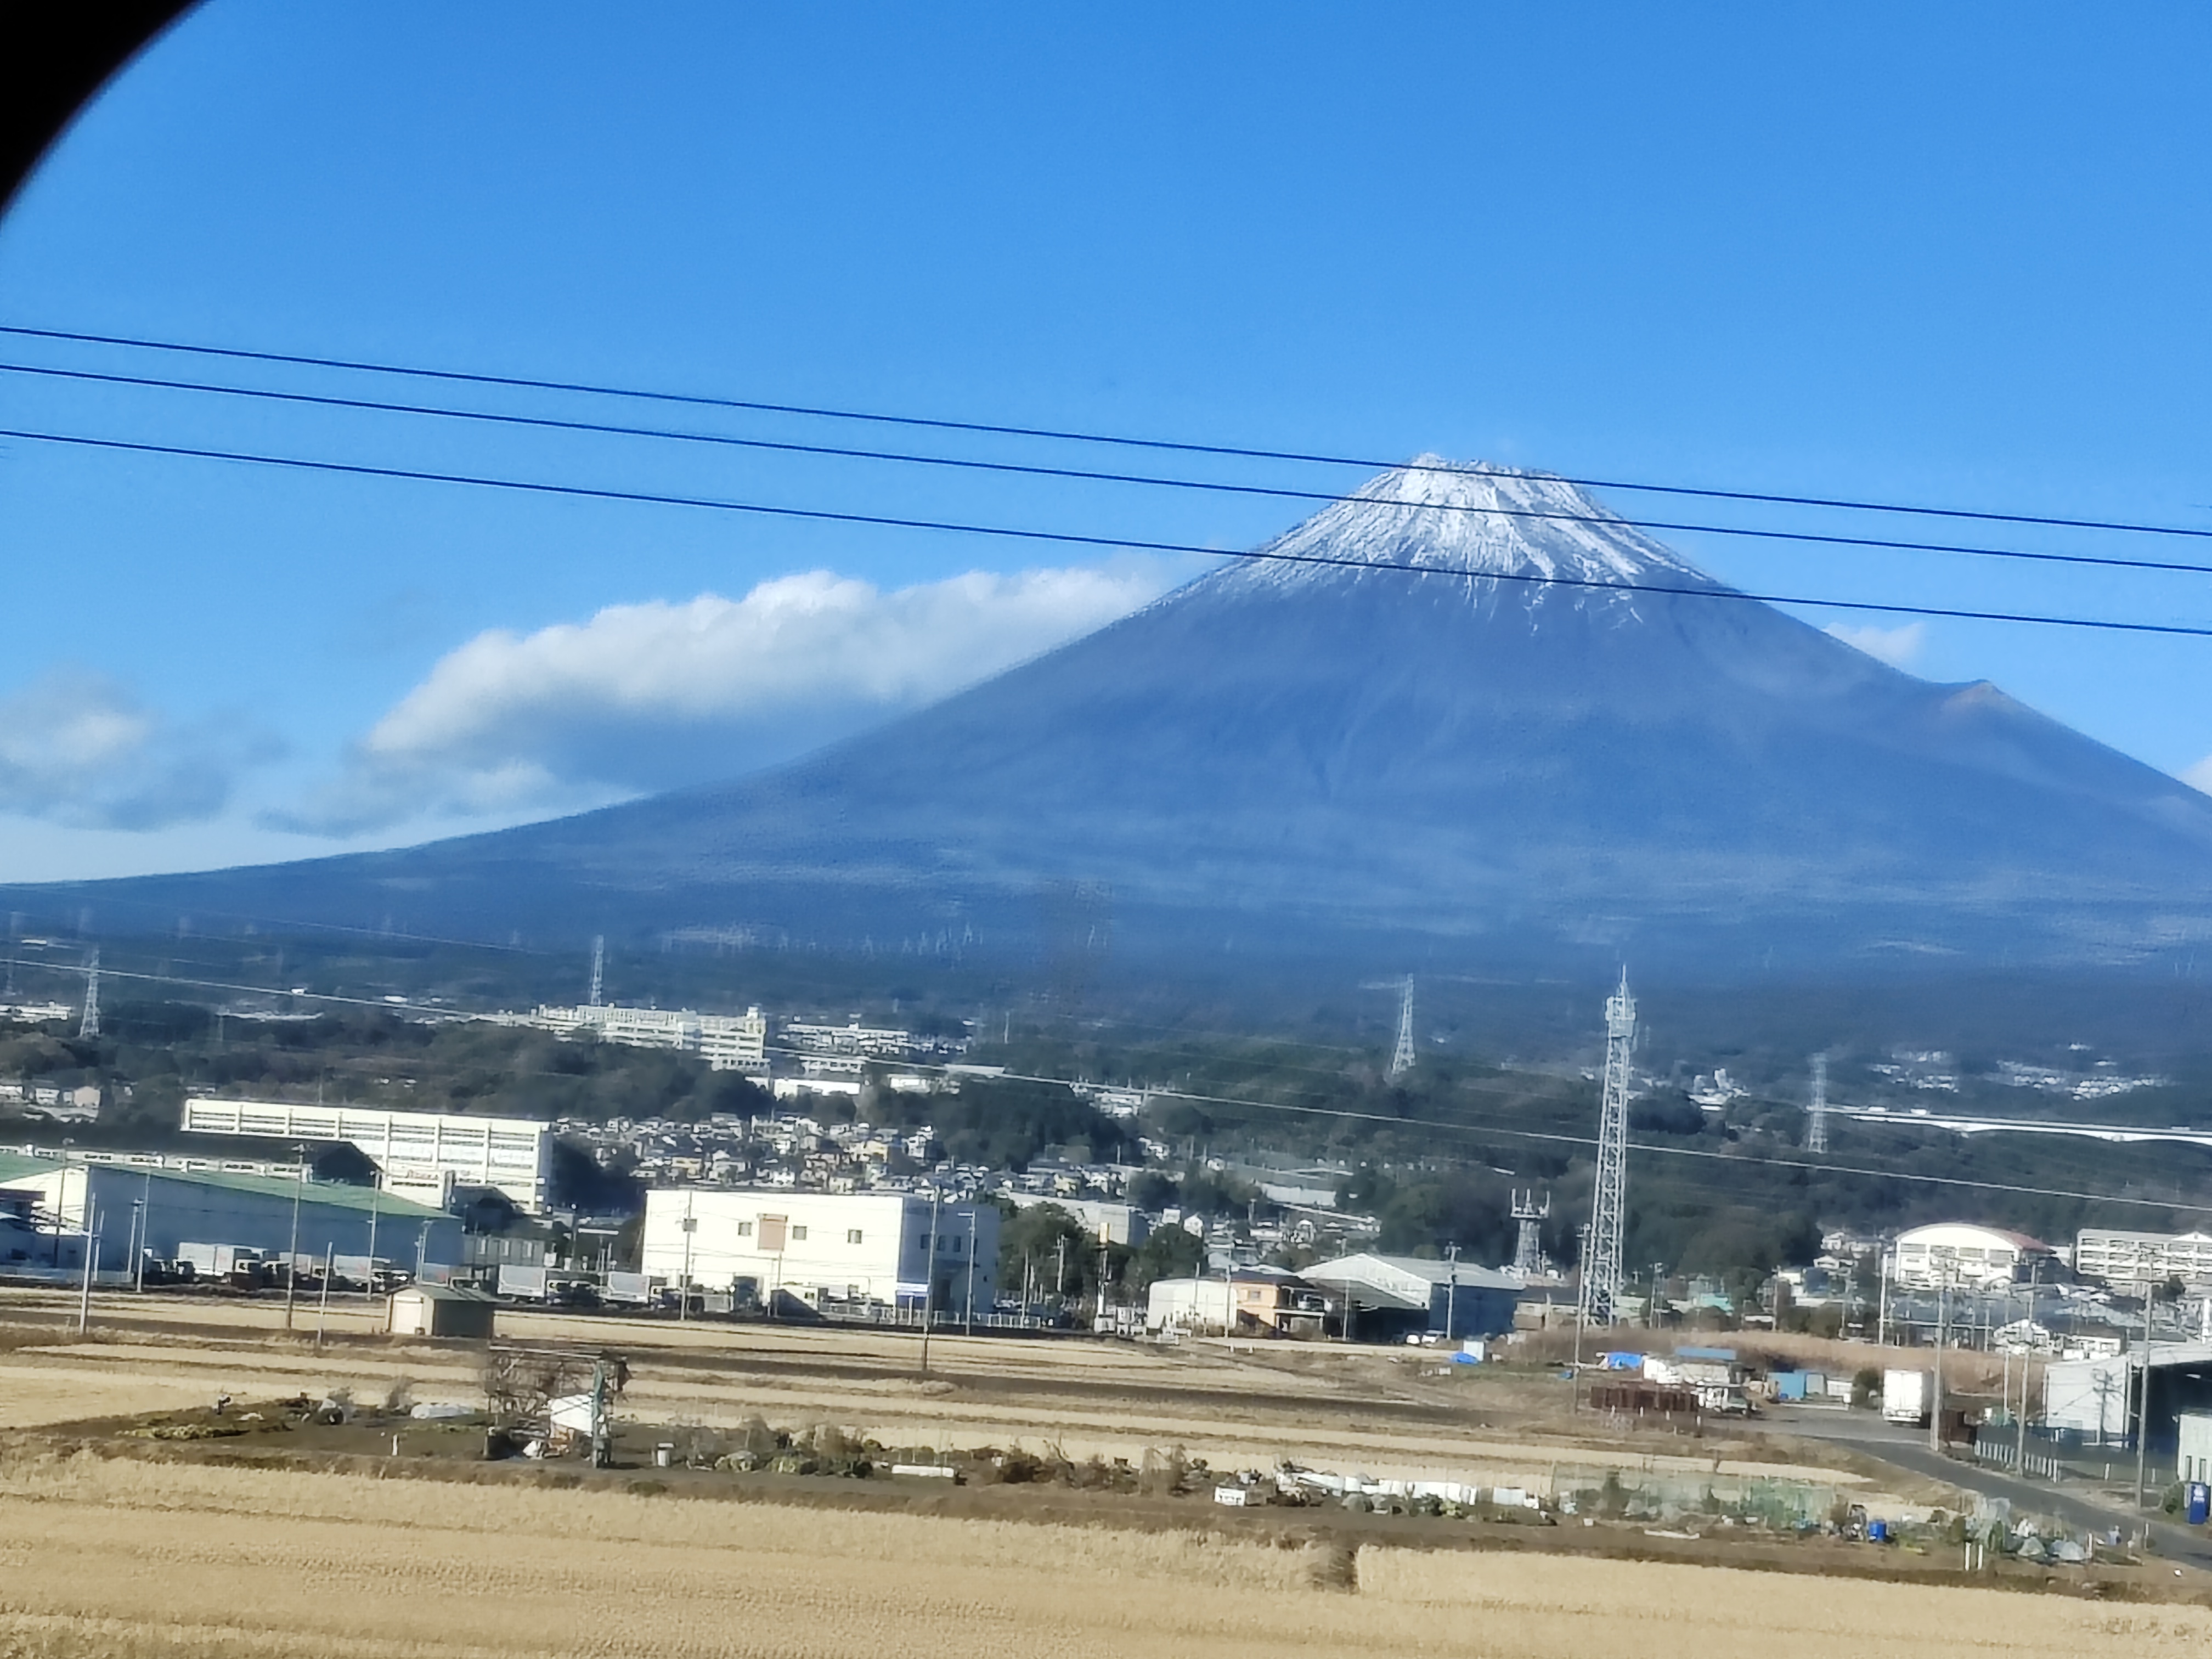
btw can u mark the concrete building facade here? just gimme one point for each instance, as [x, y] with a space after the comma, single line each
[849, 1249]
[2133, 1260]
[424, 1154]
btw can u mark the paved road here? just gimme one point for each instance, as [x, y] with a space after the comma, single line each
[1907, 1449]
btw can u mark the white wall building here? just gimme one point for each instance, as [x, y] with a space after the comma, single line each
[423, 1155]
[728, 1042]
[1959, 1253]
[1187, 1304]
[824, 1247]
[2143, 1259]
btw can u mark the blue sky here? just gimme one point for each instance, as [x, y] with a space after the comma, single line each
[1955, 256]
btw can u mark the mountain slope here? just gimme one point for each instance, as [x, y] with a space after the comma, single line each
[1503, 749]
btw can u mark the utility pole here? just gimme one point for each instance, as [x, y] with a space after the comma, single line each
[968, 1313]
[1581, 1308]
[292, 1251]
[323, 1307]
[1651, 1307]
[368, 1273]
[2142, 1412]
[145, 1226]
[1935, 1395]
[91, 1255]
[929, 1276]
[1451, 1295]
[683, 1290]
[137, 1251]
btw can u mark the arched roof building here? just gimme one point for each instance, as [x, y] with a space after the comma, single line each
[1963, 1252]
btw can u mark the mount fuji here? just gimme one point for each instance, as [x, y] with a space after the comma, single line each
[1469, 714]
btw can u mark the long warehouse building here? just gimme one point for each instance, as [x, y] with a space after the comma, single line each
[164, 1210]
[424, 1154]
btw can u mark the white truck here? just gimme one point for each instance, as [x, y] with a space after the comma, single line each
[524, 1284]
[1904, 1397]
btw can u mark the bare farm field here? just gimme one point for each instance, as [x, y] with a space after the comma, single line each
[398, 1539]
[1384, 1413]
[113, 1557]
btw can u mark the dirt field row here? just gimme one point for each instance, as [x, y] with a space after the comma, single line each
[126, 1557]
[1379, 1413]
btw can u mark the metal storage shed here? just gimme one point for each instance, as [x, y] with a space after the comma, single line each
[441, 1310]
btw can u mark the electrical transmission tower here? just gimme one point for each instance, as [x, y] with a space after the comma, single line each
[598, 967]
[89, 1025]
[1402, 1058]
[1600, 1274]
[1529, 1253]
[1816, 1123]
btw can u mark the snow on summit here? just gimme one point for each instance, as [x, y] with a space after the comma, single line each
[1467, 519]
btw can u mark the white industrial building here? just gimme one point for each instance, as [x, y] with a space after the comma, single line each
[727, 1042]
[1962, 1254]
[158, 1211]
[424, 1154]
[2101, 1400]
[825, 1248]
[2138, 1260]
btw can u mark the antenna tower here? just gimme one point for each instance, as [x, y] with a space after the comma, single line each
[1529, 1253]
[89, 1025]
[1402, 1058]
[598, 967]
[1816, 1125]
[1600, 1273]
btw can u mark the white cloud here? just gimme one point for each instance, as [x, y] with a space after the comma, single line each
[1898, 646]
[80, 748]
[2199, 776]
[655, 696]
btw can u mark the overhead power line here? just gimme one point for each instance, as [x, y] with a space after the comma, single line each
[1122, 544]
[1479, 1129]
[1475, 1128]
[1065, 435]
[787, 446]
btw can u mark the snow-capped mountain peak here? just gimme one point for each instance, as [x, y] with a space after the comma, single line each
[1469, 519]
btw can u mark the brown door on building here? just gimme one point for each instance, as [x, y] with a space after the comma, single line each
[771, 1233]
